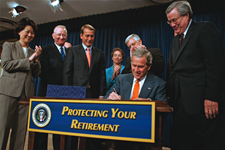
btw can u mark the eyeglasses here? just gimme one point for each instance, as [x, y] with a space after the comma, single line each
[173, 20]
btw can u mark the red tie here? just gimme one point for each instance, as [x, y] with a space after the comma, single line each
[136, 90]
[181, 39]
[88, 54]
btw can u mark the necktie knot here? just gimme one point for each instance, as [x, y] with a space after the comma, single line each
[62, 53]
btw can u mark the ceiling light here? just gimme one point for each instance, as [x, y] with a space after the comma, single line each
[55, 5]
[17, 11]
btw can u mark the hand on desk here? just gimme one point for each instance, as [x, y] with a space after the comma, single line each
[143, 99]
[114, 96]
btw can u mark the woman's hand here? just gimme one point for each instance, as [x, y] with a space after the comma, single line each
[38, 51]
[116, 72]
[35, 55]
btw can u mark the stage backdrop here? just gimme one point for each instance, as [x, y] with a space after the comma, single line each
[148, 22]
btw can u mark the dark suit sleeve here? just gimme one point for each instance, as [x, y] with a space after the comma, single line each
[45, 66]
[127, 68]
[212, 49]
[116, 87]
[102, 76]
[158, 63]
[68, 68]
[170, 84]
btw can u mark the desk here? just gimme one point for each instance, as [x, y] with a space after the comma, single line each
[161, 111]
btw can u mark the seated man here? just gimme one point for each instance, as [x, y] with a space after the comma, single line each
[139, 85]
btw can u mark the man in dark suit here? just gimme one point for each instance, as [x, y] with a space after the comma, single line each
[150, 87]
[134, 42]
[195, 81]
[51, 60]
[85, 66]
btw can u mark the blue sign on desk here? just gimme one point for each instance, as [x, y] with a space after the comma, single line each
[116, 120]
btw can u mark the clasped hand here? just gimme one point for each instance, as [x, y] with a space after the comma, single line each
[34, 57]
[116, 72]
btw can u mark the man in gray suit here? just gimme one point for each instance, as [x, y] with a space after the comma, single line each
[150, 86]
[138, 85]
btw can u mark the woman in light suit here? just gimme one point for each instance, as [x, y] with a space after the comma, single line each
[116, 69]
[19, 64]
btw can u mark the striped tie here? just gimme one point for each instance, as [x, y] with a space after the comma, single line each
[62, 53]
[88, 57]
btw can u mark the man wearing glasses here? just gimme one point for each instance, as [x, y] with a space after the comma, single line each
[51, 60]
[197, 66]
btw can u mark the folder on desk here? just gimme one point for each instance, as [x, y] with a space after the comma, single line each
[62, 91]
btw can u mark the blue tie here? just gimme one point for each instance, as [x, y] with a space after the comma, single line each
[62, 53]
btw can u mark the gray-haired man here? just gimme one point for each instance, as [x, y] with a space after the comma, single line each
[134, 42]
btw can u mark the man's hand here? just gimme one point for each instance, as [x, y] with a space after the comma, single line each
[143, 99]
[141, 47]
[211, 109]
[136, 47]
[114, 96]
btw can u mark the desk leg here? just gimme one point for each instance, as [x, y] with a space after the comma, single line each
[158, 133]
[31, 140]
[81, 143]
[62, 142]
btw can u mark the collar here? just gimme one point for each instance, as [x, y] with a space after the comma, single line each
[85, 47]
[142, 80]
[185, 32]
[59, 46]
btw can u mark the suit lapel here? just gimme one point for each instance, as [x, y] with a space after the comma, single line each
[147, 87]
[82, 54]
[111, 70]
[56, 52]
[20, 50]
[128, 82]
[176, 48]
[186, 39]
[29, 52]
[93, 57]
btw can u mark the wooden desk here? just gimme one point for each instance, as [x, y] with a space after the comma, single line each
[162, 109]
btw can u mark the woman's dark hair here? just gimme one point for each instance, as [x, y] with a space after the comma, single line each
[23, 23]
[118, 49]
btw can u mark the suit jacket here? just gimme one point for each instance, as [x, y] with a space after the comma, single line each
[51, 68]
[158, 63]
[197, 67]
[76, 71]
[109, 82]
[153, 87]
[17, 70]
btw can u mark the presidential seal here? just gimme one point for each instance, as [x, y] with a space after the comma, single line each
[41, 115]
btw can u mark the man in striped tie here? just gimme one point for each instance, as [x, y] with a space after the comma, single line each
[51, 60]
